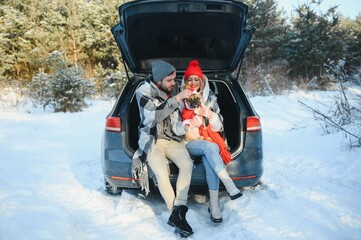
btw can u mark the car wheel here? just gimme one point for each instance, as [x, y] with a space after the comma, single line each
[259, 183]
[113, 190]
[257, 186]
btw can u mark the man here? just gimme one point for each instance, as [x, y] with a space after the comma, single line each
[159, 141]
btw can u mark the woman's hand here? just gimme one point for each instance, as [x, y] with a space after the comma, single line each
[204, 111]
[196, 121]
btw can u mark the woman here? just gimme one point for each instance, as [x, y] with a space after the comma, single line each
[209, 152]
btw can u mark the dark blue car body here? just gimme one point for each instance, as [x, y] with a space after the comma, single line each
[170, 30]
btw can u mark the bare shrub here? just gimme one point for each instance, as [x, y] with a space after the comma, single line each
[108, 82]
[12, 95]
[344, 114]
[267, 79]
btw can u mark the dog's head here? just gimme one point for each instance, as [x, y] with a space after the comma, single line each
[194, 101]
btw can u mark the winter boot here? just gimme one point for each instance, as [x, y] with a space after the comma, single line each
[231, 188]
[178, 220]
[216, 215]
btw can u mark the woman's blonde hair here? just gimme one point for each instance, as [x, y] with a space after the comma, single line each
[201, 85]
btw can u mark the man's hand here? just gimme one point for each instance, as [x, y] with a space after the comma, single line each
[186, 93]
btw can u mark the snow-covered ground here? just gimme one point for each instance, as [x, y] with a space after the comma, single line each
[51, 183]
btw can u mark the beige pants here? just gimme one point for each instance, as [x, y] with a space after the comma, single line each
[158, 161]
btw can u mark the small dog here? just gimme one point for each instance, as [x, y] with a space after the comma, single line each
[193, 102]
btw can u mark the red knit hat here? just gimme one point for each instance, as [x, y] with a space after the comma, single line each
[193, 69]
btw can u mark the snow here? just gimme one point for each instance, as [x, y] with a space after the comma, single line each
[51, 183]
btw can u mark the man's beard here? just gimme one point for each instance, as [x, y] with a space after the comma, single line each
[166, 90]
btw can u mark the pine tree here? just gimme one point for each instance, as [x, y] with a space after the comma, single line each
[70, 90]
[14, 46]
[98, 42]
[268, 39]
[64, 88]
[351, 35]
[30, 30]
[312, 40]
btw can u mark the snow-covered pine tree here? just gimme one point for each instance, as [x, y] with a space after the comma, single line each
[70, 90]
[63, 88]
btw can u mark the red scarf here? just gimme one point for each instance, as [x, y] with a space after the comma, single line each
[215, 137]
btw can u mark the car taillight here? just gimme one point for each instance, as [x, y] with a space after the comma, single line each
[113, 124]
[253, 124]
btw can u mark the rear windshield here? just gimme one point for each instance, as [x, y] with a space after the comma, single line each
[185, 37]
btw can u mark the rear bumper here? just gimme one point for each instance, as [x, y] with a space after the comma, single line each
[243, 181]
[117, 182]
[245, 172]
[246, 169]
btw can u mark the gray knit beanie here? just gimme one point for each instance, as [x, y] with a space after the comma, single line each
[161, 69]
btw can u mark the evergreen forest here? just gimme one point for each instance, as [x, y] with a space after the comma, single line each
[51, 46]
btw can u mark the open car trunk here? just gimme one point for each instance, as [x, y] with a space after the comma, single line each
[228, 107]
[214, 32]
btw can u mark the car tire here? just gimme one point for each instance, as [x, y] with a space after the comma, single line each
[112, 190]
[259, 183]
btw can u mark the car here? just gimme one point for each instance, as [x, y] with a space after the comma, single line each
[216, 33]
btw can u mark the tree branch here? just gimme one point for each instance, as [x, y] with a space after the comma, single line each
[326, 118]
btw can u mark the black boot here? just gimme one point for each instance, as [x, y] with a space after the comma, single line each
[178, 220]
